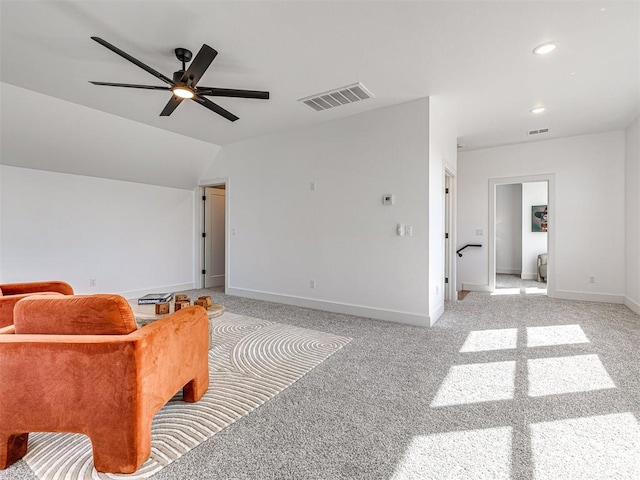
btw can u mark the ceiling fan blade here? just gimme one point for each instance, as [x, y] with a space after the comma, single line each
[135, 61]
[171, 105]
[232, 92]
[129, 85]
[199, 65]
[205, 102]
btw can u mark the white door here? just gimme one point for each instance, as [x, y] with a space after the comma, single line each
[215, 235]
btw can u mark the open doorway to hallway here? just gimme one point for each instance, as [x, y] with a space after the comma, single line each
[519, 242]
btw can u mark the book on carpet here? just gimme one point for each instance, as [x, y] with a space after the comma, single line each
[155, 298]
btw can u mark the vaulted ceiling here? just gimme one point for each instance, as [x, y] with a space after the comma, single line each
[477, 56]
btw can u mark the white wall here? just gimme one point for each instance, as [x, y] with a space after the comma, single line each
[132, 238]
[589, 174]
[442, 154]
[509, 228]
[533, 243]
[283, 234]
[632, 189]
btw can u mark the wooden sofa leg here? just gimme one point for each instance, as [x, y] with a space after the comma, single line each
[12, 448]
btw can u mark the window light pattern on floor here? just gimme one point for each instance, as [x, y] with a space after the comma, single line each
[478, 382]
[473, 454]
[554, 376]
[485, 340]
[582, 448]
[576, 448]
[555, 335]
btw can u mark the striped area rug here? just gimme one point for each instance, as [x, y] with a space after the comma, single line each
[250, 361]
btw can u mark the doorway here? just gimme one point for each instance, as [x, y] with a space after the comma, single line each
[214, 236]
[522, 232]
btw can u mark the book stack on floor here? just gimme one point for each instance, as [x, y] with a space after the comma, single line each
[155, 298]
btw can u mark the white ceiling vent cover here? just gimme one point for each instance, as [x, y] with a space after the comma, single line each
[337, 97]
[537, 132]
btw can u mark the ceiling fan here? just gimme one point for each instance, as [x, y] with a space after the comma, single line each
[183, 85]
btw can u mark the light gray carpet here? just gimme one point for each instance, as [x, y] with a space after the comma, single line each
[504, 280]
[392, 404]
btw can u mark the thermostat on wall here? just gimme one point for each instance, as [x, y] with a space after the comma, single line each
[387, 199]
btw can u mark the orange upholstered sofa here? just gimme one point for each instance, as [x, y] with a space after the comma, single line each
[79, 364]
[10, 293]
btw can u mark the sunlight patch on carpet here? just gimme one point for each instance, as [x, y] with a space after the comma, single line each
[473, 454]
[579, 373]
[602, 447]
[250, 361]
[485, 340]
[555, 335]
[477, 382]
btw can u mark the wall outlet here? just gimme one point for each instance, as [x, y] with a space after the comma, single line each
[408, 230]
[313, 186]
[479, 232]
[92, 282]
[312, 284]
[592, 279]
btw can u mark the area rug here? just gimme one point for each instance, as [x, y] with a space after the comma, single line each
[251, 360]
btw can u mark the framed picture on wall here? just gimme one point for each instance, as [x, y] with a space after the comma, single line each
[539, 218]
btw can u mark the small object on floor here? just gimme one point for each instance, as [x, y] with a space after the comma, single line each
[201, 302]
[462, 294]
[207, 299]
[162, 308]
[182, 303]
[181, 297]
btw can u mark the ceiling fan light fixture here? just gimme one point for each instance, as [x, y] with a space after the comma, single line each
[545, 48]
[538, 110]
[182, 92]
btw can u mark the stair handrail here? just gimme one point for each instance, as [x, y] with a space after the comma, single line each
[467, 245]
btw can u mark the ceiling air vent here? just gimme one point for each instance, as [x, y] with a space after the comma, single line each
[337, 97]
[539, 131]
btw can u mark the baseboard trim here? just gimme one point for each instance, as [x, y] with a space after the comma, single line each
[588, 296]
[476, 287]
[509, 271]
[633, 306]
[528, 276]
[335, 307]
[166, 288]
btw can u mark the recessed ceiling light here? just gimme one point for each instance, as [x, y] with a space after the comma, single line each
[545, 48]
[538, 110]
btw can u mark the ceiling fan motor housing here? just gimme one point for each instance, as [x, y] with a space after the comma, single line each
[177, 76]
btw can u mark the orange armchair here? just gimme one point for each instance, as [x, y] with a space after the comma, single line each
[10, 293]
[80, 364]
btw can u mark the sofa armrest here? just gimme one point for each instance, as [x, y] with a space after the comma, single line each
[35, 287]
[167, 352]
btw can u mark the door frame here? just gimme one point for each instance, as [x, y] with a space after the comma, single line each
[550, 178]
[450, 291]
[199, 224]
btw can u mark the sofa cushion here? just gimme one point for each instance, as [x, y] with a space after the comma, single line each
[101, 314]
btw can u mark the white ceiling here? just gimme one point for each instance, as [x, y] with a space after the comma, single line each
[475, 55]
